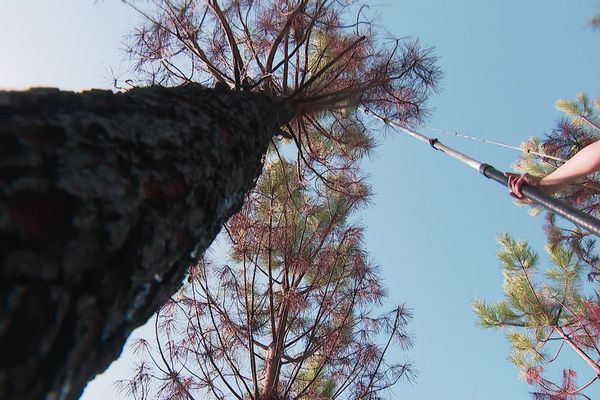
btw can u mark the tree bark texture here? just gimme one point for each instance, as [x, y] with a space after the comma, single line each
[105, 199]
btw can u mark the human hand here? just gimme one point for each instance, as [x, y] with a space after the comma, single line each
[515, 183]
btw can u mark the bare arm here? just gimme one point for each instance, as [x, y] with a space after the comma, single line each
[581, 164]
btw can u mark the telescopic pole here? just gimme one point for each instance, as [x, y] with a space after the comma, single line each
[559, 207]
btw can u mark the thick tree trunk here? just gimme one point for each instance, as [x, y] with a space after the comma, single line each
[105, 199]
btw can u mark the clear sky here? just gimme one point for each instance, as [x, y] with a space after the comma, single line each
[434, 222]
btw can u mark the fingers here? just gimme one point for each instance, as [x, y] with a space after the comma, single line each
[515, 183]
[518, 184]
[510, 182]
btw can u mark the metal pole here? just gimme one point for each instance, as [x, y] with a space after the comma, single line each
[559, 207]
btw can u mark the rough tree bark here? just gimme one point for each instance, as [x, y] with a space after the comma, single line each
[104, 201]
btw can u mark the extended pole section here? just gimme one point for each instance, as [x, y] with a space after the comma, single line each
[559, 207]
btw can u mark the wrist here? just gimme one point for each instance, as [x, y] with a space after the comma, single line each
[549, 185]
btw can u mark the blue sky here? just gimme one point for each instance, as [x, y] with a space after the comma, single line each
[434, 222]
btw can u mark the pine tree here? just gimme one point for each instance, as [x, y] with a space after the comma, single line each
[290, 314]
[316, 60]
[545, 315]
[140, 182]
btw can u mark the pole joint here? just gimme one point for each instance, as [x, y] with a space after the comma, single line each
[432, 142]
[482, 168]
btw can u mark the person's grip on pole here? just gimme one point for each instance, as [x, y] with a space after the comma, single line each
[581, 164]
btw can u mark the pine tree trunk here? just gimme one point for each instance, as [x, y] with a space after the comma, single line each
[105, 199]
[269, 386]
[271, 367]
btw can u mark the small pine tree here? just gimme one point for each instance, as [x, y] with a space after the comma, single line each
[545, 314]
[289, 316]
